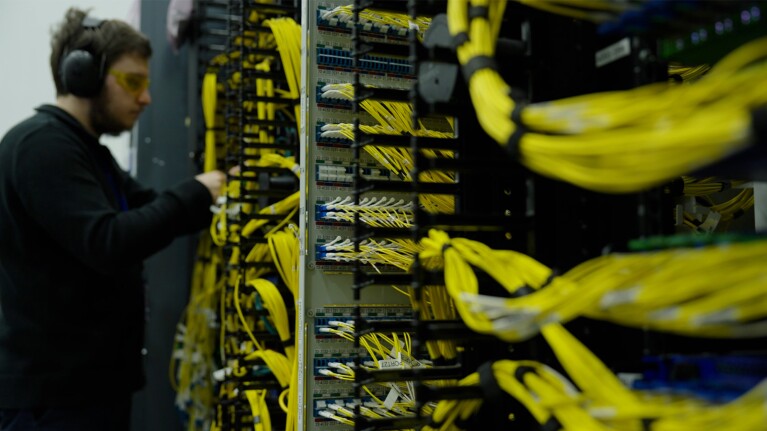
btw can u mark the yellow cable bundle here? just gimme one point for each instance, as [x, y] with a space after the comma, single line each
[209, 95]
[394, 118]
[437, 305]
[615, 142]
[686, 73]
[241, 316]
[259, 253]
[400, 162]
[385, 351]
[447, 412]
[600, 401]
[284, 248]
[395, 252]
[264, 110]
[610, 406]
[267, 158]
[457, 254]
[274, 303]
[220, 228]
[287, 34]
[288, 205]
[706, 186]
[261, 417]
[717, 289]
[277, 362]
[743, 201]
[191, 378]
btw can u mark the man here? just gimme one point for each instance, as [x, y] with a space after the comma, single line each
[74, 230]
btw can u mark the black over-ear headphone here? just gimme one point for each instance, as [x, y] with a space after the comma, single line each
[81, 73]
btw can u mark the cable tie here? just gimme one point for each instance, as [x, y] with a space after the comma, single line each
[549, 280]
[520, 372]
[516, 113]
[551, 425]
[446, 246]
[523, 290]
[479, 12]
[512, 145]
[477, 63]
[490, 388]
[459, 39]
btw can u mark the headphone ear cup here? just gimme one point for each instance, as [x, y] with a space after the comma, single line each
[80, 74]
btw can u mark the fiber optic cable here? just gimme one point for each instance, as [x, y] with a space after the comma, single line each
[718, 289]
[369, 18]
[287, 34]
[600, 405]
[663, 130]
[209, 114]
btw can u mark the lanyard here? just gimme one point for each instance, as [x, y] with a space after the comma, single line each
[108, 169]
[121, 200]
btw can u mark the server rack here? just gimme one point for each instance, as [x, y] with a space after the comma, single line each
[550, 57]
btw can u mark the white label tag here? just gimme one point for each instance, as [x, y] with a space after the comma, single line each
[390, 363]
[391, 398]
[618, 50]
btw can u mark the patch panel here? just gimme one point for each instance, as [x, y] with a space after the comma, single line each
[369, 29]
[338, 174]
[323, 362]
[329, 174]
[708, 43]
[330, 389]
[335, 211]
[325, 404]
[342, 59]
[324, 322]
[327, 140]
[321, 217]
[328, 261]
[331, 102]
[692, 31]
[713, 378]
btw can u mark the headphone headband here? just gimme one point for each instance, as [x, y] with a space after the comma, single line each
[91, 23]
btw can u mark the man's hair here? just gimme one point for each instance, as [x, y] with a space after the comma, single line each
[112, 39]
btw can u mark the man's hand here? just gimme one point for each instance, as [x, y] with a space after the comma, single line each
[214, 181]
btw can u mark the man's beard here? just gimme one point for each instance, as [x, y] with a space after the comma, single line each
[102, 120]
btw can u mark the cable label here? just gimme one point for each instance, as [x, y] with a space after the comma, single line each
[611, 53]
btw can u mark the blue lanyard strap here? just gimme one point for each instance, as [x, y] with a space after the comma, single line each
[121, 200]
[108, 168]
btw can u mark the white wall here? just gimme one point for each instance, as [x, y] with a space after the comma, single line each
[25, 76]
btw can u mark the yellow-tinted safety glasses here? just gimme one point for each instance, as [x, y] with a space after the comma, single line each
[133, 83]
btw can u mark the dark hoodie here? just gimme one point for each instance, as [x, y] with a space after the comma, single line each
[74, 230]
